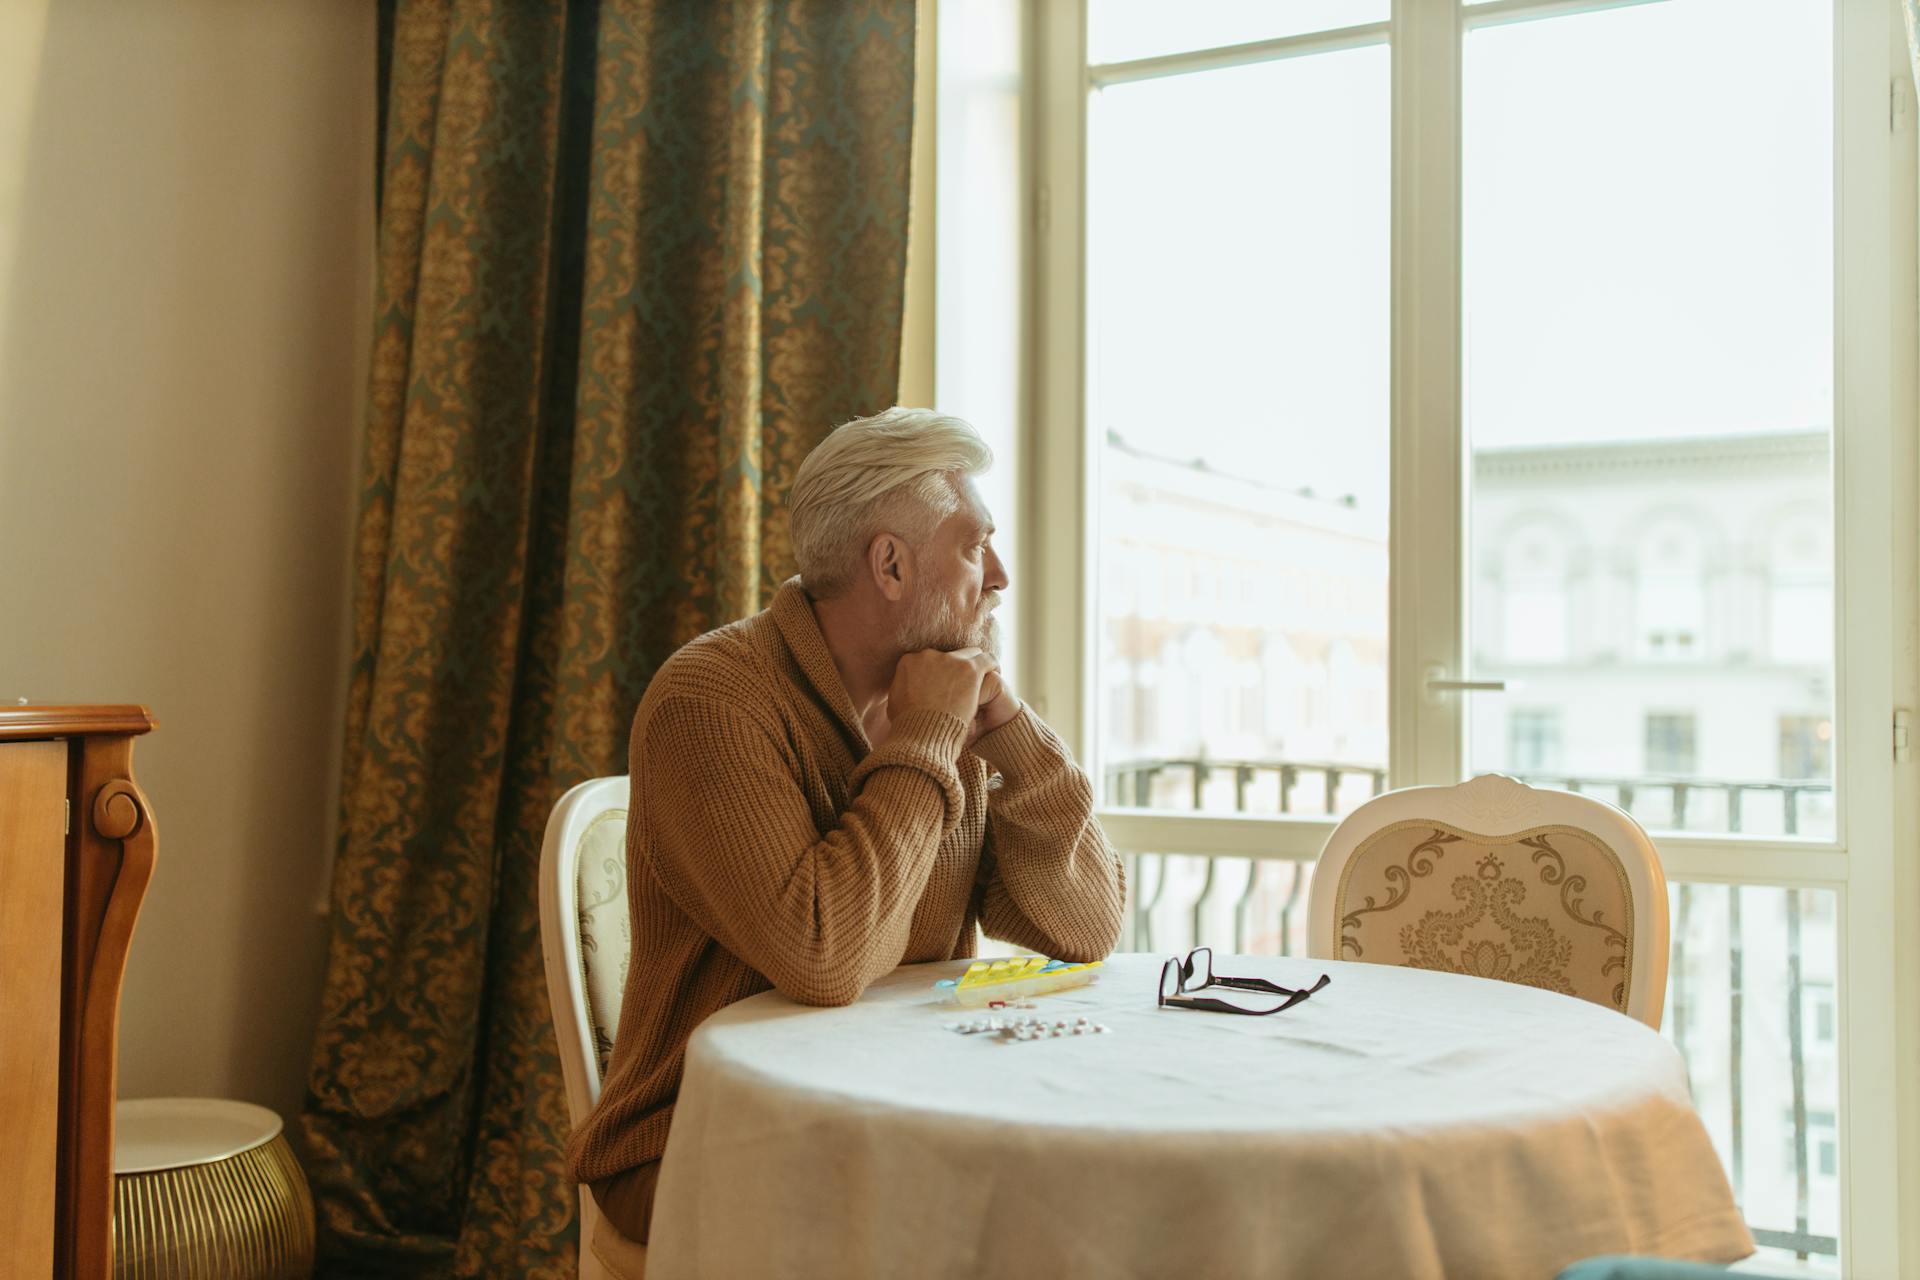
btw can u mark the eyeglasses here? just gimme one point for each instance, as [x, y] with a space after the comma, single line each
[1182, 976]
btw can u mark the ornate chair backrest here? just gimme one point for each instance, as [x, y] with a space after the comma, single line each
[586, 941]
[585, 930]
[1500, 880]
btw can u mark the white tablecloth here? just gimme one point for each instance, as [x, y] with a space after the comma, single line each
[1398, 1124]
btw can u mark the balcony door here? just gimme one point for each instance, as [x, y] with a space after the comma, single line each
[1434, 388]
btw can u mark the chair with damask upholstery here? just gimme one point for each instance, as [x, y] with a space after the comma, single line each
[1499, 880]
[586, 941]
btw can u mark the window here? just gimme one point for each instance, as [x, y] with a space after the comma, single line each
[1670, 744]
[1268, 453]
[1823, 1150]
[1421, 266]
[1806, 747]
[1147, 737]
[1533, 741]
[1673, 477]
[1820, 1005]
[1672, 593]
[1534, 586]
[1121, 699]
[1800, 562]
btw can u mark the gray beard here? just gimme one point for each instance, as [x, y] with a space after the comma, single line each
[934, 623]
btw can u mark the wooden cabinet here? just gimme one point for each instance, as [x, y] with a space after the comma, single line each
[77, 846]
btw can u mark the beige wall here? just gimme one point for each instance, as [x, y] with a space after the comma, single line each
[185, 248]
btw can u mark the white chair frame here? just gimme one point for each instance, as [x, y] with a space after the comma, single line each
[566, 989]
[1495, 806]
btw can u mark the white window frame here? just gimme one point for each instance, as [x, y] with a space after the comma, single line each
[1876, 481]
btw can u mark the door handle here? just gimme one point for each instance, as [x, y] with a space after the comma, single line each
[1438, 683]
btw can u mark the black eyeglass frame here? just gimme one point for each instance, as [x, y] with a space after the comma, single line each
[1184, 969]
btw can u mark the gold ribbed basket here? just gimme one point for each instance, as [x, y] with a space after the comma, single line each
[247, 1216]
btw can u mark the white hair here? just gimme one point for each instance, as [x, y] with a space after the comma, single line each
[894, 472]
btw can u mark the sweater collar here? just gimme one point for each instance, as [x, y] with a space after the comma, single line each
[793, 616]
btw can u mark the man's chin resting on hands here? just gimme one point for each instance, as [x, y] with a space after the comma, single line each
[840, 784]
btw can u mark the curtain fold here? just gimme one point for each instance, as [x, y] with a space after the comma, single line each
[634, 259]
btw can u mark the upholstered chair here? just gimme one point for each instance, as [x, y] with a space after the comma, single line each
[1499, 880]
[586, 940]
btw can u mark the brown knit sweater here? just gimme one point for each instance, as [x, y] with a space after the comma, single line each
[768, 846]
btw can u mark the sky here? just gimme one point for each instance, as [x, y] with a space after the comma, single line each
[1647, 236]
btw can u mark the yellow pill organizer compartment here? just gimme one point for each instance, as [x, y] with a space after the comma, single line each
[1015, 978]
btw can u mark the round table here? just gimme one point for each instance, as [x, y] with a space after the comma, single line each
[1399, 1123]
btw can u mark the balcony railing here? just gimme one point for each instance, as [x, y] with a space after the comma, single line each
[1139, 783]
[1684, 794]
[1132, 782]
[1262, 902]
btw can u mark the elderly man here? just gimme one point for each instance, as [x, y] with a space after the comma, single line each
[840, 784]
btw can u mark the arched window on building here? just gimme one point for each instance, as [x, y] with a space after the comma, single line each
[1535, 576]
[1671, 607]
[1117, 583]
[1800, 570]
[1248, 719]
[1146, 706]
[1204, 708]
[1345, 690]
[1367, 735]
[1285, 679]
[1149, 584]
[1122, 731]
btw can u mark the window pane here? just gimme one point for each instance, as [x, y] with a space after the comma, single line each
[1122, 30]
[1238, 304]
[1750, 1000]
[1533, 741]
[1670, 747]
[1648, 290]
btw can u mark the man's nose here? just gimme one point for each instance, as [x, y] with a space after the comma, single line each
[996, 572]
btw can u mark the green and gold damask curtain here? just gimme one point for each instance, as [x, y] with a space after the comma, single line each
[634, 258]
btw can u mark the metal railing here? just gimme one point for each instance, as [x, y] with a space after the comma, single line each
[1801, 1240]
[1132, 783]
[1285, 884]
[1684, 793]
[1267, 911]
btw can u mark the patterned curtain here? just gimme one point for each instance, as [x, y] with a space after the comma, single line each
[634, 258]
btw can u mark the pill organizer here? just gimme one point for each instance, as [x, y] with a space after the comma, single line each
[1015, 978]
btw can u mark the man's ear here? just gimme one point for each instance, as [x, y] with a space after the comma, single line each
[890, 561]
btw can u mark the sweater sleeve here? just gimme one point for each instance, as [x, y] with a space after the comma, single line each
[820, 914]
[1050, 881]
